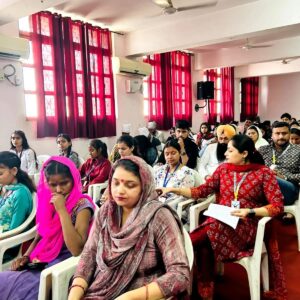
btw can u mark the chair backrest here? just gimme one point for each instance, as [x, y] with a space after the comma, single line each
[94, 190]
[41, 159]
[81, 161]
[24, 225]
[197, 178]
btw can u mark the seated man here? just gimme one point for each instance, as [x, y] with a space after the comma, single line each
[189, 149]
[284, 159]
[214, 154]
[152, 127]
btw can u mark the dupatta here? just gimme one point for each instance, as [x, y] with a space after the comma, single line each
[47, 219]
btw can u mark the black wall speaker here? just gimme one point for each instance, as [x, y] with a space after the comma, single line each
[205, 90]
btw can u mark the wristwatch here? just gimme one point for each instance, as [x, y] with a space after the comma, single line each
[251, 213]
[183, 153]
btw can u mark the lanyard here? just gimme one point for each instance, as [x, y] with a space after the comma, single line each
[237, 186]
[166, 180]
[274, 155]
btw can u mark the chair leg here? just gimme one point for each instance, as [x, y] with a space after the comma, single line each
[265, 272]
[297, 219]
[254, 282]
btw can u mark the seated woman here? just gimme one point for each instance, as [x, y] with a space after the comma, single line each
[204, 137]
[173, 173]
[145, 150]
[19, 146]
[96, 169]
[16, 190]
[63, 219]
[64, 144]
[242, 182]
[134, 250]
[256, 136]
[125, 146]
[295, 136]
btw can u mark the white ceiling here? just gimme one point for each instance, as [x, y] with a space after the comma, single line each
[135, 18]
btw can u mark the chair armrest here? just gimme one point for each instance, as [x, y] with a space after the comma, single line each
[15, 241]
[61, 275]
[260, 235]
[196, 209]
[182, 205]
[95, 189]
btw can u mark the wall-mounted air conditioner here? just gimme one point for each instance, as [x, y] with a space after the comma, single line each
[127, 66]
[13, 47]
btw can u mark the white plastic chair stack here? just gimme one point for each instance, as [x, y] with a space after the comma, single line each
[295, 211]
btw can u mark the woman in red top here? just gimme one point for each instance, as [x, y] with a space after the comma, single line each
[97, 168]
[204, 134]
[245, 179]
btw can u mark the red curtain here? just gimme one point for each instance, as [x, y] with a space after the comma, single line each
[249, 95]
[74, 80]
[159, 90]
[182, 85]
[227, 95]
[211, 75]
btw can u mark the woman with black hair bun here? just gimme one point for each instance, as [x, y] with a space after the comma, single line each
[19, 145]
[97, 168]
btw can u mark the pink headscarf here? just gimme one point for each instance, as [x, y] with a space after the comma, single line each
[47, 219]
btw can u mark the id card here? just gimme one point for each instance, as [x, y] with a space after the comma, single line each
[235, 204]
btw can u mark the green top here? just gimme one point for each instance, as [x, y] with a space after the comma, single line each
[15, 206]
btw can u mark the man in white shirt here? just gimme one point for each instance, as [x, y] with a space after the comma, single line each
[214, 154]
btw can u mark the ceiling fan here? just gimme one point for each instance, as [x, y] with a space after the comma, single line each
[169, 9]
[249, 46]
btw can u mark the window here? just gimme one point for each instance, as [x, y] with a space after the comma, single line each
[167, 91]
[68, 78]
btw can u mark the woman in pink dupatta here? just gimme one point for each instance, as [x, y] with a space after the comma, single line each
[63, 219]
[135, 250]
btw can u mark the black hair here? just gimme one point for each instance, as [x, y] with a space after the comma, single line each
[182, 124]
[207, 125]
[128, 165]
[295, 131]
[144, 149]
[68, 138]
[279, 124]
[294, 123]
[253, 127]
[11, 160]
[173, 143]
[56, 168]
[25, 144]
[243, 143]
[98, 144]
[129, 141]
[286, 115]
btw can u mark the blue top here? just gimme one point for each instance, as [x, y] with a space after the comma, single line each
[15, 206]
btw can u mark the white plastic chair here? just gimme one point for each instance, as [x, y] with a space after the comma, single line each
[295, 211]
[81, 161]
[94, 190]
[24, 225]
[257, 263]
[63, 272]
[12, 242]
[41, 159]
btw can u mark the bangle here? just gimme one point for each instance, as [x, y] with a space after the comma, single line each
[147, 293]
[77, 285]
[25, 256]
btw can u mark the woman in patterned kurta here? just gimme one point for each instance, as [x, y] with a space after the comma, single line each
[259, 190]
[173, 173]
[135, 250]
[63, 217]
